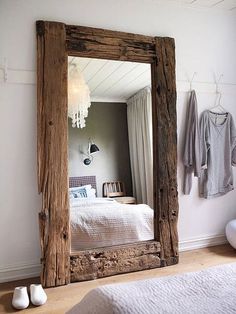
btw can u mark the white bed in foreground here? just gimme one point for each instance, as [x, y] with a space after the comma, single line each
[211, 291]
[103, 222]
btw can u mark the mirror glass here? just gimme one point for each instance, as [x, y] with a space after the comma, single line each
[110, 152]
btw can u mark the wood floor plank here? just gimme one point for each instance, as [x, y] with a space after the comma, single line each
[62, 298]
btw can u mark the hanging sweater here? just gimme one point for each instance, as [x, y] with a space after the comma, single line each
[191, 156]
[218, 153]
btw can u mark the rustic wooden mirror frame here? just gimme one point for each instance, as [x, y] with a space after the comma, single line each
[55, 41]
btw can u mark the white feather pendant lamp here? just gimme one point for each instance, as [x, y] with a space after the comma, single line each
[78, 97]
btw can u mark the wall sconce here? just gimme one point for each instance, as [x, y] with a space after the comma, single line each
[92, 148]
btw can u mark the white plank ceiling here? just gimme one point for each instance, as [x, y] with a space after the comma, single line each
[113, 81]
[218, 4]
[116, 81]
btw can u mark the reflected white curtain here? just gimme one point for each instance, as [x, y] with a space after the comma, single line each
[139, 117]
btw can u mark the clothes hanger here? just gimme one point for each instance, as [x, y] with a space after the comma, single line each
[218, 99]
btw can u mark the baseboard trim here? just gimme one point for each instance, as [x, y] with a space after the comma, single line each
[23, 271]
[20, 271]
[198, 243]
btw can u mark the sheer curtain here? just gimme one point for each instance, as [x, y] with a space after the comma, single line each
[139, 117]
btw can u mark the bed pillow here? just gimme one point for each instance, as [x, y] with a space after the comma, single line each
[78, 192]
[87, 187]
[91, 193]
[75, 192]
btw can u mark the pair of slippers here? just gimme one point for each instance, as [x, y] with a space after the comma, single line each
[20, 298]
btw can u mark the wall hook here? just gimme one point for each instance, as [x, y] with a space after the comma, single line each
[5, 69]
[194, 74]
[217, 84]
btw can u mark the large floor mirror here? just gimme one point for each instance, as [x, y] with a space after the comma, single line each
[106, 149]
[110, 152]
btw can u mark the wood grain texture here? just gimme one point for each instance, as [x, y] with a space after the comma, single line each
[105, 44]
[97, 263]
[52, 153]
[165, 152]
[55, 42]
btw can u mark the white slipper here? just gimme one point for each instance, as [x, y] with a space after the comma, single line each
[37, 294]
[20, 298]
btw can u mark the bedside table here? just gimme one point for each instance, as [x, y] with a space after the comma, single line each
[125, 199]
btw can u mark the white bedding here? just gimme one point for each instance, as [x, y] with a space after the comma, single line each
[211, 291]
[104, 222]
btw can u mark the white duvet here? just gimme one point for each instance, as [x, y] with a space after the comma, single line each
[211, 291]
[104, 222]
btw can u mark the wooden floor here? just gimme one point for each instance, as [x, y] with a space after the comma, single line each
[62, 298]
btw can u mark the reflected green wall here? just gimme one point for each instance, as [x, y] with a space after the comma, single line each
[106, 125]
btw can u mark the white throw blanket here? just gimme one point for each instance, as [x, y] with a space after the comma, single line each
[211, 291]
[104, 222]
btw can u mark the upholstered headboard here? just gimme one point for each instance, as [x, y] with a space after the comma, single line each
[79, 181]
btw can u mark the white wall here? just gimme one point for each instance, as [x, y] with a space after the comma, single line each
[205, 42]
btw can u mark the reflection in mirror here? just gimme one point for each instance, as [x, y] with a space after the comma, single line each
[110, 152]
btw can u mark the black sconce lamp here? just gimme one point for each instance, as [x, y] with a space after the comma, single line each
[92, 148]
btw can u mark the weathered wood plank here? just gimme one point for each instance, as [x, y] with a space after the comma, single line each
[99, 43]
[103, 52]
[92, 264]
[155, 152]
[165, 150]
[75, 31]
[52, 153]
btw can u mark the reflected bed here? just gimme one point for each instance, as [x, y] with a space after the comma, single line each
[100, 222]
[103, 222]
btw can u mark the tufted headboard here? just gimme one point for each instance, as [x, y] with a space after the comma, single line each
[79, 181]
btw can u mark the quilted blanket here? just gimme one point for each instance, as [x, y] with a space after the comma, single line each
[211, 291]
[103, 222]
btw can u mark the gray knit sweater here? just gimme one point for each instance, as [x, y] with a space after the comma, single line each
[218, 153]
[191, 154]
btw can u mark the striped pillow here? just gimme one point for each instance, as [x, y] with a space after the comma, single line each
[80, 192]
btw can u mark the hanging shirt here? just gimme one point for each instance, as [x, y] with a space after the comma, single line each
[218, 153]
[191, 156]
